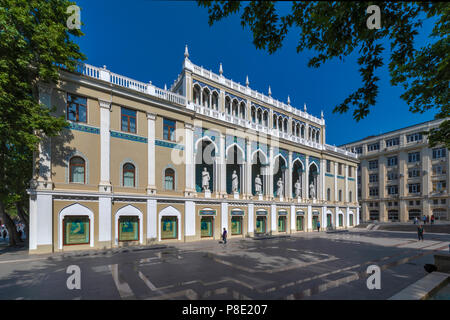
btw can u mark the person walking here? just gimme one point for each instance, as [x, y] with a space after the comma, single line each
[424, 219]
[224, 236]
[415, 220]
[420, 232]
[318, 226]
[432, 219]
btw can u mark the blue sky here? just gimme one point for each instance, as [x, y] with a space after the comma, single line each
[145, 40]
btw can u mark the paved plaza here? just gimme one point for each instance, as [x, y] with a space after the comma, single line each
[301, 266]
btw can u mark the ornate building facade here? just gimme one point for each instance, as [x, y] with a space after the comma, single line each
[400, 177]
[140, 165]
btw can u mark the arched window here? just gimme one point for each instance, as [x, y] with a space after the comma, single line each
[227, 105]
[266, 118]
[328, 194]
[242, 110]
[77, 168]
[253, 115]
[129, 175]
[350, 196]
[274, 121]
[169, 179]
[340, 195]
[215, 101]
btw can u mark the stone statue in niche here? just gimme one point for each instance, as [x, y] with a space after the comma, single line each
[298, 188]
[205, 179]
[312, 191]
[258, 185]
[280, 185]
[234, 182]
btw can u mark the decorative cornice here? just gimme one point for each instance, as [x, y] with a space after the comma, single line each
[151, 116]
[104, 104]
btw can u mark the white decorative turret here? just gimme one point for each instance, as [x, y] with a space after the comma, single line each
[246, 82]
[304, 106]
[270, 92]
[186, 52]
[321, 114]
[220, 69]
[165, 87]
[289, 101]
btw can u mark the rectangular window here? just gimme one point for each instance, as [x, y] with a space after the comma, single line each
[76, 108]
[393, 142]
[128, 120]
[439, 153]
[282, 224]
[169, 130]
[391, 175]
[413, 173]
[414, 137]
[373, 146]
[414, 157]
[328, 166]
[373, 164]
[414, 188]
[350, 171]
[392, 189]
[439, 185]
[373, 192]
[206, 227]
[373, 177]
[236, 225]
[128, 228]
[340, 169]
[299, 223]
[358, 150]
[438, 169]
[169, 227]
[76, 230]
[443, 201]
[391, 161]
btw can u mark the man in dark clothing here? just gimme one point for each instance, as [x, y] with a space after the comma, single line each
[318, 226]
[224, 236]
[420, 232]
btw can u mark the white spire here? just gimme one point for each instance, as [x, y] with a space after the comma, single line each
[165, 87]
[289, 101]
[220, 69]
[304, 106]
[321, 114]
[246, 81]
[186, 52]
[270, 92]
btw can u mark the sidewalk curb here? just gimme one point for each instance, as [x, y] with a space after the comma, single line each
[424, 288]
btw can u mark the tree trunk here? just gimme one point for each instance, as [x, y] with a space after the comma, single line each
[9, 223]
[25, 219]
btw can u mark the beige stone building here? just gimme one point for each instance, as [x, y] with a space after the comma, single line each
[139, 165]
[400, 177]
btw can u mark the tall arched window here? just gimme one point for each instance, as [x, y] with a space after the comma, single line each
[77, 168]
[350, 196]
[340, 195]
[129, 175]
[328, 194]
[169, 179]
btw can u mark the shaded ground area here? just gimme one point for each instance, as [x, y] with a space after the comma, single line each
[302, 266]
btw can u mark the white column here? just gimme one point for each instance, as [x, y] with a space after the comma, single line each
[357, 215]
[355, 197]
[223, 166]
[43, 225]
[273, 217]
[248, 171]
[289, 178]
[189, 218]
[335, 181]
[305, 189]
[293, 218]
[346, 183]
[347, 219]
[224, 215]
[322, 179]
[45, 146]
[309, 218]
[33, 223]
[336, 219]
[189, 159]
[152, 220]
[104, 218]
[270, 187]
[151, 186]
[251, 217]
[105, 181]
[324, 217]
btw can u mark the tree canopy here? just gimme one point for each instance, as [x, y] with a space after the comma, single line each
[34, 41]
[336, 29]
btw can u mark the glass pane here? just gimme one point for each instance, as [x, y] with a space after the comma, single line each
[169, 183]
[82, 114]
[206, 227]
[72, 112]
[128, 112]
[169, 227]
[236, 225]
[128, 228]
[128, 179]
[125, 124]
[77, 174]
[132, 125]
[79, 100]
[76, 230]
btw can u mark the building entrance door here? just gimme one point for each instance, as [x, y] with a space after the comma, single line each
[261, 224]
[207, 224]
